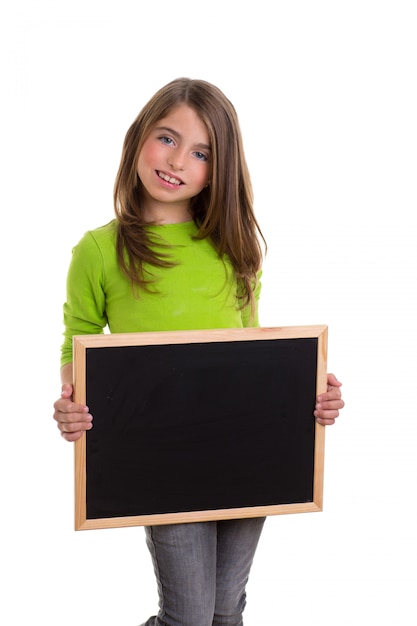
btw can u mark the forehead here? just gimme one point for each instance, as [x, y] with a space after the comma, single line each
[186, 123]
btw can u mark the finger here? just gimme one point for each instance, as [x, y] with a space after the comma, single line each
[328, 410]
[330, 405]
[73, 427]
[72, 419]
[326, 421]
[72, 436]
[67, 407]
[333, 394]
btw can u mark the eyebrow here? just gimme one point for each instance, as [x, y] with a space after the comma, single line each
[171, 131]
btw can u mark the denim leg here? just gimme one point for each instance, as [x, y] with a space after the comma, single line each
[237, 541]
[184, 560]
[202, 570]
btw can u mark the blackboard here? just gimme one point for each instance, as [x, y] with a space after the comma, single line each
[199, 425]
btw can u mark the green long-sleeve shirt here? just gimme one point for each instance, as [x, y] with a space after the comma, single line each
[198, 293]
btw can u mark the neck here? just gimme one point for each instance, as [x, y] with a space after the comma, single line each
[166, 212]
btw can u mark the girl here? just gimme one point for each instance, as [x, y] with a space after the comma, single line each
[182, 253]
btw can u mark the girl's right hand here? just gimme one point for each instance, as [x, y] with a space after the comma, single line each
[72, 419]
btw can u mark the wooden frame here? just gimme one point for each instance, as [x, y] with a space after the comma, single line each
[251, 363]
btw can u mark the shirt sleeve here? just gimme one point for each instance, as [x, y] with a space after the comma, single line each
[85, 306]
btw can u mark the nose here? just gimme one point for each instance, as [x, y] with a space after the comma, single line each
[176, 160]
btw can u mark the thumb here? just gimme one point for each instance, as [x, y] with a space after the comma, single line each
[332, 380]
[66, 390]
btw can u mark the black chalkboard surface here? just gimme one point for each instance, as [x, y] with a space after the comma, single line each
[199, 425]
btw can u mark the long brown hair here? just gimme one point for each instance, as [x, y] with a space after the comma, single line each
[223, 211]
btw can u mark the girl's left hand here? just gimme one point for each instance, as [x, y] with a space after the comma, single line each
[328, 404]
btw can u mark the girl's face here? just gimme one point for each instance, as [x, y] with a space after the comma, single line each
[174, 165]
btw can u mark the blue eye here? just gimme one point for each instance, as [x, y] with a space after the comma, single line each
[200, 156]
[167, 140]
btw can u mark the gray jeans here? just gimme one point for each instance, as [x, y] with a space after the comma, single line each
[202, 570]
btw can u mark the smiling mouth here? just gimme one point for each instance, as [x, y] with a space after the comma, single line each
[169, 179]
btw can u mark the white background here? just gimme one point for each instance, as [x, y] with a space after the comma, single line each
[326, 96]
